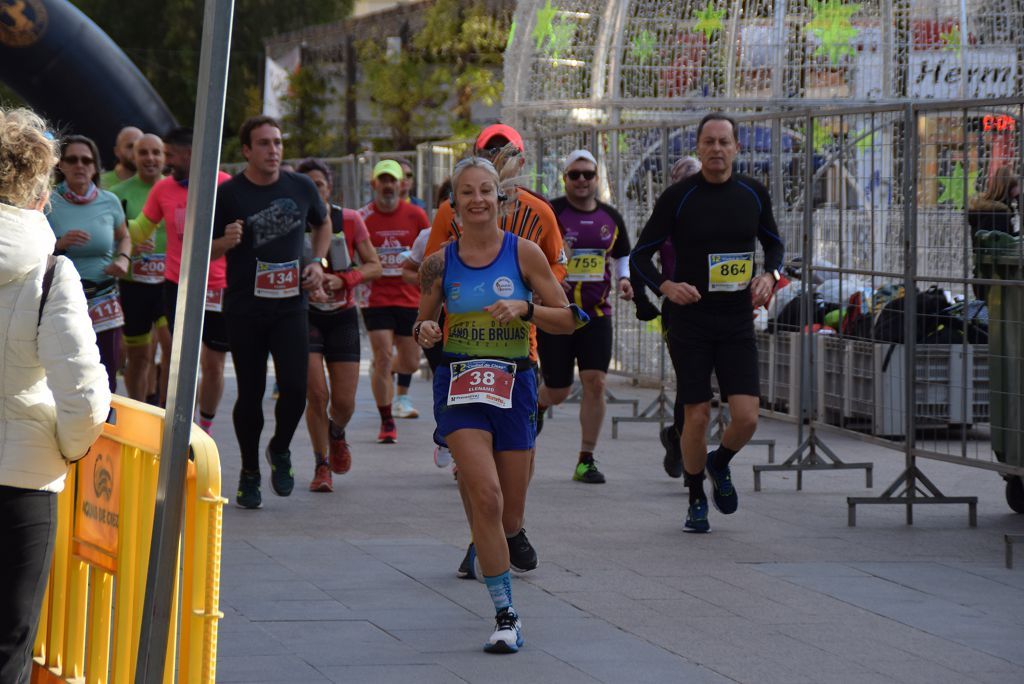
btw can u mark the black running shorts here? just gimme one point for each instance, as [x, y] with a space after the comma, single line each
[143, 307]
[335, 335]
[702, 342]
[590, 348]
[215, 332]
[400, 319]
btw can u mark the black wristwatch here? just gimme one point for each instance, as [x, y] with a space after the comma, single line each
[529, 312]
[416, 332]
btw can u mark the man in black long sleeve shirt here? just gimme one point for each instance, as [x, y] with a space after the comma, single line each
[713, 219]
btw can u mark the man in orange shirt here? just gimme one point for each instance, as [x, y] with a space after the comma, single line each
[530, 217]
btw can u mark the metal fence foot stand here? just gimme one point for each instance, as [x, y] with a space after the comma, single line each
[658, 411]
[1009, 540]
[812, 454]
[717, 428]
[911, 488]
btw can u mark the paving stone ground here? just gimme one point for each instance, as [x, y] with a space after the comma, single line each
[360, 585]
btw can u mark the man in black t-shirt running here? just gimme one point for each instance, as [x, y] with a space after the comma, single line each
[260, 223]
[713, 219]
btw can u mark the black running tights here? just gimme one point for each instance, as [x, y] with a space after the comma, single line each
[286, 339]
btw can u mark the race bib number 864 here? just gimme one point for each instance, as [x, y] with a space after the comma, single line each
[730, 272]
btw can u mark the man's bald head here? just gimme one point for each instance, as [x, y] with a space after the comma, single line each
[148, 154]
[124, 144]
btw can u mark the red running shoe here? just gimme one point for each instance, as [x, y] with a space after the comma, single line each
[340, 456]
[388, 433]
[321, 479]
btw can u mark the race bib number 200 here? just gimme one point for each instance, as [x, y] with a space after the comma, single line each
[277, 281]
[730, 272]
[482, 381]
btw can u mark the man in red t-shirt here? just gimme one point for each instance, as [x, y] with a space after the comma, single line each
[393, 302]
[166, 202]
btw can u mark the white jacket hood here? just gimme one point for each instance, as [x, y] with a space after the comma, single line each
[25, 240]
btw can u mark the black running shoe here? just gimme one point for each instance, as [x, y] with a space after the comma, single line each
[673, 461]
[586, 471]
[282, 479]
[248, 495]
[697, 517]
[723, 493]
[466, 570]
[521, 554]
[540, 421]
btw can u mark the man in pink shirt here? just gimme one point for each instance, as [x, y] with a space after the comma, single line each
[166, 202]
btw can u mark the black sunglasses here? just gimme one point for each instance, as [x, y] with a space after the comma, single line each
[575, 175]
[73, 159]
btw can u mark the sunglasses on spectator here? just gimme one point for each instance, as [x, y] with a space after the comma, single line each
[575, 175]
[73, 159]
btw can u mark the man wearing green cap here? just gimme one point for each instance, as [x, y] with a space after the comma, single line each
[393, 302]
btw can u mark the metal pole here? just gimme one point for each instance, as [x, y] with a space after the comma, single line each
[910, 297]
[174, 447]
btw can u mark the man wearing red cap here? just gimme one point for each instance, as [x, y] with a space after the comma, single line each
[530, 217]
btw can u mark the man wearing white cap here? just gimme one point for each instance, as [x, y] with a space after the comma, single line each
[393, 303]
[597, 246]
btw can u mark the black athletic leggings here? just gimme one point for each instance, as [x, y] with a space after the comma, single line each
[28, 522]
[285, 337]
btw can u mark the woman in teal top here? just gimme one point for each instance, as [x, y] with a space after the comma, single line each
[90, 228]
[485, 394]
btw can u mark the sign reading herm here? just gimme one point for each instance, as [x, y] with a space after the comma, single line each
[982, 73]
[98, 505]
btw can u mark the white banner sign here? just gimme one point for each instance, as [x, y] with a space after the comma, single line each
[983, 73]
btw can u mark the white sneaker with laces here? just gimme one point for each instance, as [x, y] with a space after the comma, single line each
[402, 407]
[508, 633]
[442, 457]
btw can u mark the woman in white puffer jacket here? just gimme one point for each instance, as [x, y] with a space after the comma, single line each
[53, 390]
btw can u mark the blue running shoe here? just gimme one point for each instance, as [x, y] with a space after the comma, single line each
[508, 633]
[723, 494]
[697, 517]
[466, 568]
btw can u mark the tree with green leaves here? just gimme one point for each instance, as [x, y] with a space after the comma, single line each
[454, 60]
[309, 95]
[163, 39]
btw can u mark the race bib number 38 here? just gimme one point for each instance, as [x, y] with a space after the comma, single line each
[586, 265]
[730, 272]
[482, 381]
[277, 281]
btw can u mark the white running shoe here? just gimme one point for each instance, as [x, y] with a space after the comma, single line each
[508, 633]
[442, 456]
[402, 407]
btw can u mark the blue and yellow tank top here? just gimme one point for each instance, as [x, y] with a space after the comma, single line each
[469, 330]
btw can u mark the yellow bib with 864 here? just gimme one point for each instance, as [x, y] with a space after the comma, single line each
[730, 272]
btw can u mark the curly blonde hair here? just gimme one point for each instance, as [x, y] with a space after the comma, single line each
[28, 155]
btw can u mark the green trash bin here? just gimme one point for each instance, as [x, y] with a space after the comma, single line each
[999, 256]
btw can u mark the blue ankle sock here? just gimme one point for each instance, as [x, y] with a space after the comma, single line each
[500, 588]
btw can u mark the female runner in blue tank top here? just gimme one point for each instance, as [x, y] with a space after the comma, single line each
[485, 394]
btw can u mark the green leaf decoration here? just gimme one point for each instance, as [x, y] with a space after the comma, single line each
[561, 38]
[709, 20]
[544, 27]
[821, 136]
[951, 39]
[642, 47]
[953, 186]
[831, 26]
[511, 34]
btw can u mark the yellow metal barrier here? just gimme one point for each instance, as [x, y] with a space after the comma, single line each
[92, 613]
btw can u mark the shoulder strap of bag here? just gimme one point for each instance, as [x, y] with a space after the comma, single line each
[51, 264]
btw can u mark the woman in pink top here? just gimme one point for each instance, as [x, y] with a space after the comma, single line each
[334, 334]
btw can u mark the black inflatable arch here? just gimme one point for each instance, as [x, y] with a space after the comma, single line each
[69, 71]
